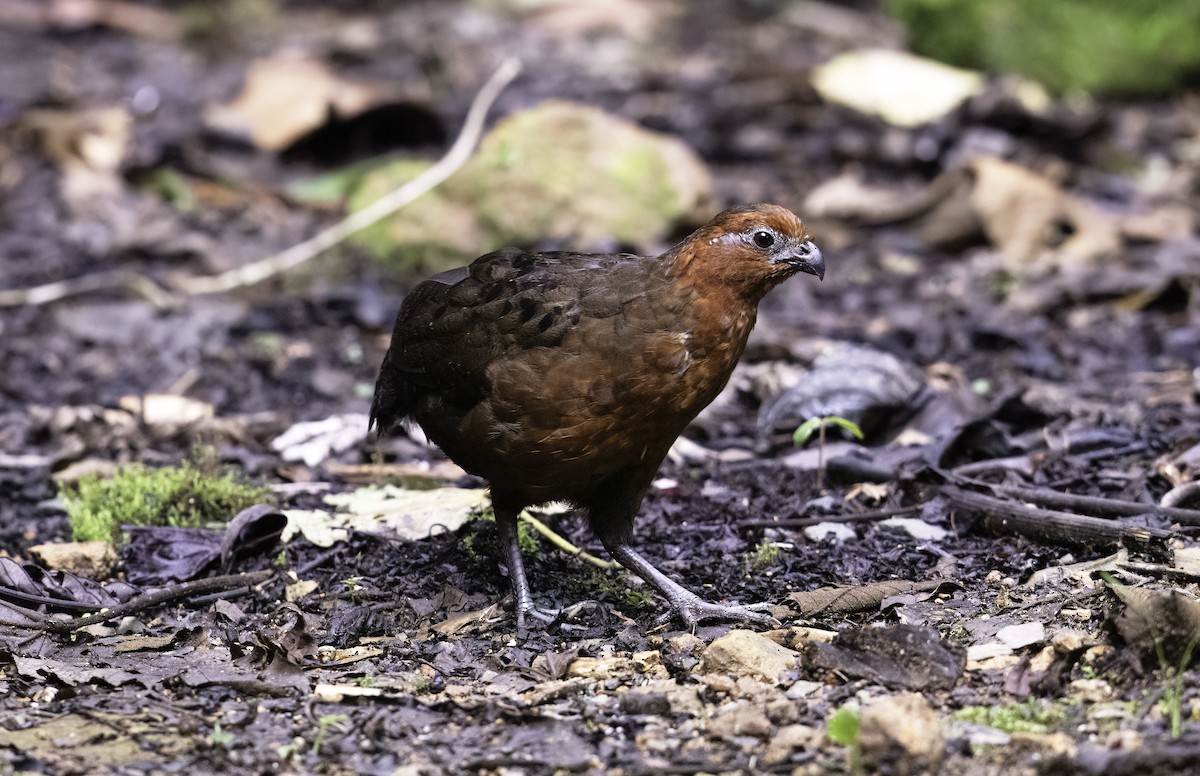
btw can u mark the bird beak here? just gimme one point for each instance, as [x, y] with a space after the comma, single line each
[806, 258]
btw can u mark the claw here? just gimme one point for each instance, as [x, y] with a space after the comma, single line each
[695, 610]
[691, 607]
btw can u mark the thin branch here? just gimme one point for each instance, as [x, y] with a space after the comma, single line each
[256, 272]
[564, 545]
[853, 517]
[385, 206]
[148, 600]
[61, 289]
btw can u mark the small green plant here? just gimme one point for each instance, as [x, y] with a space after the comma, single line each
[1029, 716]
[842, 728]
[335, 722]
[220, 739]
[1172, 697]
[801, 436]
[766, 554]
[186, 495]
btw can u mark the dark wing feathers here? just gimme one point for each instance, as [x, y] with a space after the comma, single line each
[453, 325]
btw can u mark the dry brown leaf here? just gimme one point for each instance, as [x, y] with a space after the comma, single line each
[286, 97]
[835, 600]
[1023, 213]
[87, 145]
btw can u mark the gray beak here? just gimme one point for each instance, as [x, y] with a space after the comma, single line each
[806, 258]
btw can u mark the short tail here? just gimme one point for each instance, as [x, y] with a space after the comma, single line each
[395, 397]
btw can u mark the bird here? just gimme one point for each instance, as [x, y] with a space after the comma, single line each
[566, 377]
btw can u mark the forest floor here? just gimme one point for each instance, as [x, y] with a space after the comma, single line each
[1000, 578]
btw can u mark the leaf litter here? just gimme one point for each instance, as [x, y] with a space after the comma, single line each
[1033, 314]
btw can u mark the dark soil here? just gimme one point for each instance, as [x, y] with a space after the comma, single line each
[1081, 380]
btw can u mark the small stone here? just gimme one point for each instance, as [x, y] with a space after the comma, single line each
[790, 738]
[747, 653]
[635, 702]
[903, 733]
[94, 560]
[737, 719]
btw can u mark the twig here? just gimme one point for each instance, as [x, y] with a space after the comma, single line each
[805, 522]
[141, 602]
[119, 278]
[566, 546]
[1093, 505]
[293, 257]
[256, 272]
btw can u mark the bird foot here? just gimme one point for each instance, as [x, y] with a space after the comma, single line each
[695, 610]
[545, 616]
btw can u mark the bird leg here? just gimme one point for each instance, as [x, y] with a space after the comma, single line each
[506, 525]
[691, 607]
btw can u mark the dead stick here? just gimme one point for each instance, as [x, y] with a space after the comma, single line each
[61, 289]
[561, 543]
[147, 600]
[1097, 505]
[805, 522]
[1054, 527]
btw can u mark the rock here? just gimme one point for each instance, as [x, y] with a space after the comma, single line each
[902, 733]
[560, 172]
[792, 737]
[94, 560]
[737, 719]
[743, 652]
[663, 696]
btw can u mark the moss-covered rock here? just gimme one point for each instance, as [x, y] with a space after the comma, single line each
[562, 172]
[1114, 47]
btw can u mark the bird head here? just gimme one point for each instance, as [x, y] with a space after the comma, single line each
[749, 249]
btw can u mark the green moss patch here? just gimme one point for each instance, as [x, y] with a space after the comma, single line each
[186, 495]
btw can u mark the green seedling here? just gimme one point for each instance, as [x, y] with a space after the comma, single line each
[765, 554]
[843, 728]
[324, 724]
[801, 436]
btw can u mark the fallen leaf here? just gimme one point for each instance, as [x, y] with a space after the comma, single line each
[901, 88]
[286, 97]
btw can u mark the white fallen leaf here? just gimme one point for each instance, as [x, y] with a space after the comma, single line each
[917, 529]
[409, 514]
[901, 88]
[1022, 635]
[316, 525]
[841, 532]
[314, 441]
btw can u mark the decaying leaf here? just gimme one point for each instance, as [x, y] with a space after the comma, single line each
[286, 97]
[406, 514]
[1157, 625]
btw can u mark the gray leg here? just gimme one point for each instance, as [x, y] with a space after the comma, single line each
[691, 607]
[506, 527]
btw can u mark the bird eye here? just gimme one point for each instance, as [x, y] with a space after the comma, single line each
[764, 239]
